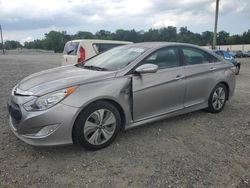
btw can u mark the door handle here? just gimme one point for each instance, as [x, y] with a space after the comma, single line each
[212, 68]
[179, 77]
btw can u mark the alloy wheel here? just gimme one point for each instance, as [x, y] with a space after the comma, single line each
[219, 97]
[99, 126]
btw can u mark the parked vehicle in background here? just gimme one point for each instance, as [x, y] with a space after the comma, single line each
[238, 54]
[232, 53]
[248, 53]
[245, 54]
[227, 56]
[127, 86]
[77, 51]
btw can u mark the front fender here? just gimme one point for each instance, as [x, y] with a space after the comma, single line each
[115, 89]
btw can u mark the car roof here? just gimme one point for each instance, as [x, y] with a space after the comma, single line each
[100, 41]
[161, 44]
[217, 50]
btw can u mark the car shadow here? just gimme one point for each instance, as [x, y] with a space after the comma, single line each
[134, 132]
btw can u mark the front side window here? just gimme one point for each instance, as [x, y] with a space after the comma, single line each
[193, 56]
[164, 58]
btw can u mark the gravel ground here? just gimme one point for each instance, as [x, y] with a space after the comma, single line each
[194, 150]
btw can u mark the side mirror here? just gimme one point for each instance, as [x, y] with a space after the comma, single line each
[147, 68]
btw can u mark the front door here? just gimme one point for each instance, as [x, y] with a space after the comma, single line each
[162, 92]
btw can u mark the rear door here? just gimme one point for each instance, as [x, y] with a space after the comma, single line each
[161, 92]
[199, 75]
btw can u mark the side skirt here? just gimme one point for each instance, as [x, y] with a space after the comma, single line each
[167, 115]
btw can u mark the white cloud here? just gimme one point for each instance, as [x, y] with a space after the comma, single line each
[27, 39]
[95, 18]
[29, 18]
[128, 7]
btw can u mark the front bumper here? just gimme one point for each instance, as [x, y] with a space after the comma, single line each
[61, 117]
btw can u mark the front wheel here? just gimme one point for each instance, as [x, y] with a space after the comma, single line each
[97, 125]
[217, 99]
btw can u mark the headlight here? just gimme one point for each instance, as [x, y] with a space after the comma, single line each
[47, 101]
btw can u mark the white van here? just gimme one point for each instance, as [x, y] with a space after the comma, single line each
[77, 51]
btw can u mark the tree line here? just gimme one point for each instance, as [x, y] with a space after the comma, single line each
[55, 40]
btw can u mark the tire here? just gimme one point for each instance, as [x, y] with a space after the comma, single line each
[97, 125]
[237, 70]
[216, 103]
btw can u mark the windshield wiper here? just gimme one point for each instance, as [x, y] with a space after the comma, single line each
[92, 67]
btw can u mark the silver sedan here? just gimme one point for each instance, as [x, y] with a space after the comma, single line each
[89, 103]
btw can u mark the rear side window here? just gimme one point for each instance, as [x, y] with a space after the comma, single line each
[193, 56]
[71, 48]
[101, 47]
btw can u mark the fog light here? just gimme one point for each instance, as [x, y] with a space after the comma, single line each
[46, 131]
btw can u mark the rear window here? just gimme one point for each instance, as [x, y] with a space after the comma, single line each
[101, 47]
[71, 48]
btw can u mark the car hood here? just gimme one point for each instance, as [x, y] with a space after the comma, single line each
[59, 78]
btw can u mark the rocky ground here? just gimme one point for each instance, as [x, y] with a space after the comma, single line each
[193, 150]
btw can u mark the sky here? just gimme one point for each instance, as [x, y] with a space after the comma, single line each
[26, 20]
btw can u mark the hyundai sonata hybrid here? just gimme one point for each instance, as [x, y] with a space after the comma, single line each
[127, 86]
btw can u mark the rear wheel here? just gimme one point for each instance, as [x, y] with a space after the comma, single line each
[217, 99]
[97, 125]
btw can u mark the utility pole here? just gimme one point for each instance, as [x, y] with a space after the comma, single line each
[215, 24]
[2, 38]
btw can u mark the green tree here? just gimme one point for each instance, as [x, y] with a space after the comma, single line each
[55, 40]
[125, 35]
[103, 34]
[246, 37]
[207, 37]
[168, 34]
[222, 38]
[187, 36]
[83, 35]
[11, 44]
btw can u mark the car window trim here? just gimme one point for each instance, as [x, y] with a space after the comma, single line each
[198, 49]
[132, 71]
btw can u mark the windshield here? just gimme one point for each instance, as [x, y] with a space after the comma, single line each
[70, 48]
[115, 59]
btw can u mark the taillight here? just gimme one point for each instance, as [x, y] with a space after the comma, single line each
[81, 55]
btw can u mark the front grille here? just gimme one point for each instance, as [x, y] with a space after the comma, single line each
[14, 111]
